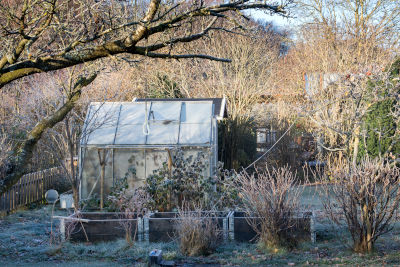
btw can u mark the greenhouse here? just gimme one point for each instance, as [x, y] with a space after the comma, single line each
[132, 139]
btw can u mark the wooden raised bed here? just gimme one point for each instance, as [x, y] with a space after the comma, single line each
[161, 226]
[99, 226]
[241, 231]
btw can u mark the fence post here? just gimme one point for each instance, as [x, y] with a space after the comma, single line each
[29, 188]
[42, 185]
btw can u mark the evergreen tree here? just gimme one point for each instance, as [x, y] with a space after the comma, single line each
[380, 137]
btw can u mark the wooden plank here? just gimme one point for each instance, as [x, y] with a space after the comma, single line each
[47, 179]
[13, 198]
[18, 193]
[37, 187]
[21, 193]
[24, 189]
[28, 189]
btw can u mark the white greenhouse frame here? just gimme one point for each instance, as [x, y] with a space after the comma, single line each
[148, 130]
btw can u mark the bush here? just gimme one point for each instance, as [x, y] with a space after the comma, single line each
[273, 196]
[62, 185]
[187, 182]
[197, 232]
[365, 198]
[131, 203]
[237, 142]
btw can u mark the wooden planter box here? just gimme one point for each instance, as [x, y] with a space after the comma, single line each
[161, 226]
[241, 231]
[99, 226]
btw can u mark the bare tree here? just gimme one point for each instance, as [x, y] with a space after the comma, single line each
[39, 36]
[365, 198]
[95, 33]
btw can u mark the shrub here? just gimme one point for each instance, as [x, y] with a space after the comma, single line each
[272, 197]
[131, 203]
[197, 232]
[237, 142]
[363, 197]
[187, 182]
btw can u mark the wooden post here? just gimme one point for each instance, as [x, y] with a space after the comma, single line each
[102, 160]
[36, 186]
[29, 188]
[42, 186]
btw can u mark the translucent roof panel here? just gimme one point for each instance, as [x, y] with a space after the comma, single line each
[196, 112]
[191, 133]
[165, 111]
[101, 136]
[133, 113]
[161, 133]
[102, 114]
[169, 122]
[130, 134]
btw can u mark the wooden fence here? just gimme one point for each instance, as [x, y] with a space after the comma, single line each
[30, 188]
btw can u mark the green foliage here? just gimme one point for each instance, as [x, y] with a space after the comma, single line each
[90, 203]
[164, 87]
[62, 185]
[379, 126]
[380, 131]
[394, 69]
[187, 182]
[237, 142]
[119, 186]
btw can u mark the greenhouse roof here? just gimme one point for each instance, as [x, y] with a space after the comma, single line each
[219, 104]
[149, 123]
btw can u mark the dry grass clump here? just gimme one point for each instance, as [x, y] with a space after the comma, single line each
[197, 232]
[271, 199]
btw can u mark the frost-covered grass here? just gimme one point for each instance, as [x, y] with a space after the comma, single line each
[25, 241]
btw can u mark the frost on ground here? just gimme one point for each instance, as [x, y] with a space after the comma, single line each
[25, 241]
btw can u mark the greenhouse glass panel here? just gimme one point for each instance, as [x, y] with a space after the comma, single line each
[163, 133]
[165, 111]
[102, 114]
[196, 112]
[127, 162]
[101, 136]
[90, 184]
[130, 134]
[133, 113]
[191, 133]
[155, 159]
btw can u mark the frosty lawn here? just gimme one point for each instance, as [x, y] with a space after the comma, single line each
[25, 241]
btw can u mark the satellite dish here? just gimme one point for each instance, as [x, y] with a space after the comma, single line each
[51, 196]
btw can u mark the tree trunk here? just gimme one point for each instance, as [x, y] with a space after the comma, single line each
[365, 243]
[75, 194]
[23, 155]
[356, 144]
